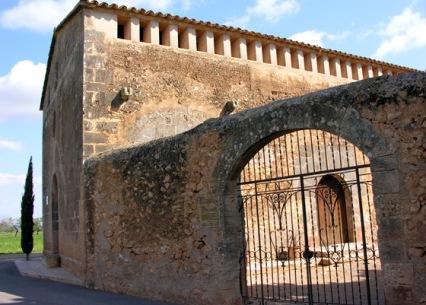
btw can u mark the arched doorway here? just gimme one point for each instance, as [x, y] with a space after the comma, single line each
[309, 222]
[332, 214]
[55, 219]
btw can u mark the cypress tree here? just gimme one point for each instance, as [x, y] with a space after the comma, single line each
[27, 207]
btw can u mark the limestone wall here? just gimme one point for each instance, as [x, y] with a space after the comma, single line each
[165, 220]
[62, 147]
[172, 89]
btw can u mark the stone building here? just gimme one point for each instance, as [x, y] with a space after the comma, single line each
[152, 188]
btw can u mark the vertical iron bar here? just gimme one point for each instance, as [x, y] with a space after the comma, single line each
[254, 246]
[347, 153]
[298, 154]
[281, 159]
[306, 153]
[312, 151]
[265, 244]
[286, 237]
[319, 152]
[270, 250]
[292, 153]
[356, 247]
[364, 243]
[314, 244]
[343, 241]
[265, 167]
[340, 151]
[276, 252]
[332, 150]
[258, 166]
[326, 220]
[299, 238]
[292, 237]
[248, 247]
[260, 244]
[275, 158]
[325, 151]
[307, 251]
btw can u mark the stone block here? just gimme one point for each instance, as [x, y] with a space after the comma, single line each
[107, 126]
[87, 125]
[94, 137]
[399, 295]
[388, 205]
[392, 249]
[95, 62]
[398, 274]
[392, 226]
[384, 163]
[99, 148]
[95, 87]
[88, 150]
[103, 76]
[385, 182]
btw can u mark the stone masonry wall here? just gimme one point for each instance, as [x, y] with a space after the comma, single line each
[173, 89]
[62, 147]
[164, 219]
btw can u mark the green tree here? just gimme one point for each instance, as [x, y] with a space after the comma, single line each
[27, 208]
[38, 224]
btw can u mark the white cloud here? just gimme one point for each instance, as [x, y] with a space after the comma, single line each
[317, 37]
[311, 36]
[26, 14]
[402, 33]
[269, 10]
[20, 90]
[12, 189]
[17, 179]
[9, 179]
[11, 145]
[272, 10]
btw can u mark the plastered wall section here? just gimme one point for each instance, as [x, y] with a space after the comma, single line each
[62, 145]
[172, 90]
[165, 222]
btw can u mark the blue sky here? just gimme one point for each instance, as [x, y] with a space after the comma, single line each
[393, 31]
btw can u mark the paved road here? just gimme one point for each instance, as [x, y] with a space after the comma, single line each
[18, 290]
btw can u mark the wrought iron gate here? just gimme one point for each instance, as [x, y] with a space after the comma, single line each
[309, 223]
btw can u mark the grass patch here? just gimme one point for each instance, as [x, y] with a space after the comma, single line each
[9, 243]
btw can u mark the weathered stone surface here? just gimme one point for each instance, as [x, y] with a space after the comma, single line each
[63, 149]
[181, 92]
[95, 137]
[172, 202]
[161, 220]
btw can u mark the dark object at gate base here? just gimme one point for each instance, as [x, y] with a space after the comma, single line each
[282, 256]
[308, 254]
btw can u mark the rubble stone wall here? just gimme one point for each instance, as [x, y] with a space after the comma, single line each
[164, 221]
[171, 90]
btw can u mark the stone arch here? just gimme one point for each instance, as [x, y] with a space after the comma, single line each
[256, 128]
